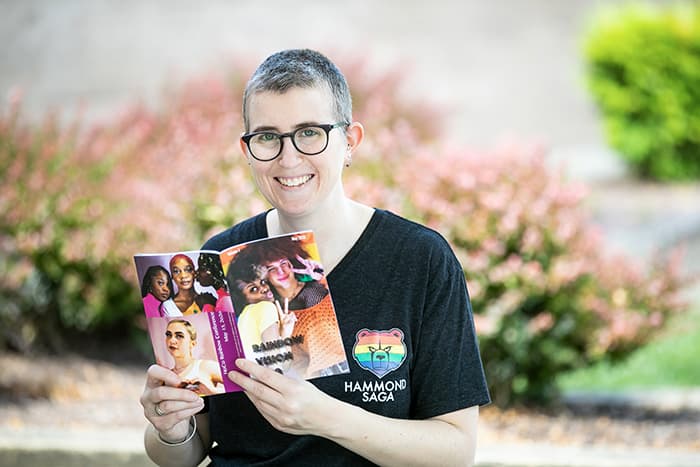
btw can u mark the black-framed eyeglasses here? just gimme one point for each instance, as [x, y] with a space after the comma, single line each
[310, 140]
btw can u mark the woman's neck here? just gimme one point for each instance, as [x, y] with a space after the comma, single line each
[184, 298]
[292, 292]
[336, 228]
[182, 363]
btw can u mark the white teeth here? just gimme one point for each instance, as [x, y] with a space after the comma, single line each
[294, 181]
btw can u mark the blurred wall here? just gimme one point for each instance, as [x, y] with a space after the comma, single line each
[505, 69]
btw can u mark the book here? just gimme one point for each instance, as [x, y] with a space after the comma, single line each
[266, 300]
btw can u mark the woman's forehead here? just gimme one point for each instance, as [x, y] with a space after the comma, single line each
[284, 111]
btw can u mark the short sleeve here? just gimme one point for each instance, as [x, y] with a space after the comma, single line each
[447, 374]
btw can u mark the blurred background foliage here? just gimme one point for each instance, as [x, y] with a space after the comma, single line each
[83, 198]
[643, 69]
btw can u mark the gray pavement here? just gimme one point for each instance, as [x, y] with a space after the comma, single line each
[100, 445]
[546, 455]
[116, 448]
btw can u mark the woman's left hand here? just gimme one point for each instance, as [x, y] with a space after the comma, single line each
[293, 406]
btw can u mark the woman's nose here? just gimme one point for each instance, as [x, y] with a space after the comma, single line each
[289, 157]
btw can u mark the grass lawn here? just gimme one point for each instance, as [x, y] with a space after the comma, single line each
[673, 360]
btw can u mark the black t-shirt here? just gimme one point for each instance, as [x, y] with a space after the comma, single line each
[400, 292]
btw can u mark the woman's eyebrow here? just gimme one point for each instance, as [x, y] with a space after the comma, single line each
[274, 129]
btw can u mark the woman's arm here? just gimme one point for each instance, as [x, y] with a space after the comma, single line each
[298, 407]
[172, 439]
[187, 454]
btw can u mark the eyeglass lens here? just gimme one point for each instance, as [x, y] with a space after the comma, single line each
[309, 140]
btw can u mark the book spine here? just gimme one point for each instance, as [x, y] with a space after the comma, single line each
[227, 343]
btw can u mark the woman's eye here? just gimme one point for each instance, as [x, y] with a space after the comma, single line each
[309, 132]
[266, 138]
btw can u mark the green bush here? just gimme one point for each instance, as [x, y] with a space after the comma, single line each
[82, 198]
[643, 69]
[546, 294]
[60, 276]
[547, 297]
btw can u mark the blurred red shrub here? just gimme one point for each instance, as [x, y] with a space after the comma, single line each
[78, 201]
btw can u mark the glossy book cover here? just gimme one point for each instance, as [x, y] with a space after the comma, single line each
[266, 300]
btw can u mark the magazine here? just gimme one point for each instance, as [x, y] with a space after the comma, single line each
[267, 300]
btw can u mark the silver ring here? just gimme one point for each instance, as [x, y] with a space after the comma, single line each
[157, 410]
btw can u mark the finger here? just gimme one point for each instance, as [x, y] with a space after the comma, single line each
[262, 374]
[169, 406]
[286, 305]
[164, 394]
[157, 375]
[166, 422]
[260, 394]
[165, 414]
[280, 313]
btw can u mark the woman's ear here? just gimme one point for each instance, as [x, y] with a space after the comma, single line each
[354, 134]
[244, 149]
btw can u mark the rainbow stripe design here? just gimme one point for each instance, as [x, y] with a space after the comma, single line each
[379, 352]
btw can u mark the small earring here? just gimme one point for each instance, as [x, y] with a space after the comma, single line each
[348, 162]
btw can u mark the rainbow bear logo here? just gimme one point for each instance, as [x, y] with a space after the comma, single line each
[379, 352]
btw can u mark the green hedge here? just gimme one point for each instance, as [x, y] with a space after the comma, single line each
[643, 69]
[547, 296]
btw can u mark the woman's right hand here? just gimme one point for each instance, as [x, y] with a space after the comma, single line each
[162, 396]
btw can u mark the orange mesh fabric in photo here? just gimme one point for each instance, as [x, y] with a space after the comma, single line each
[322, 341]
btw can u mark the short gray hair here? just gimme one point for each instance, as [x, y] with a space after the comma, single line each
[299, 68]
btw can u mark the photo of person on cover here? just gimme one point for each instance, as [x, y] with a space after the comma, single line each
[259, 316]
[187, 299]
[284, 278]
[187, 348]
[210, 274]
[157, 293]
[171, 285]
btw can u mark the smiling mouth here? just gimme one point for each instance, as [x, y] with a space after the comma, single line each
[293, 182]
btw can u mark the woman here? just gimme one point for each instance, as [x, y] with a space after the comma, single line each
[157, 293]
[392, 281]
[200, 376]
[187, 299]
[210, 274]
